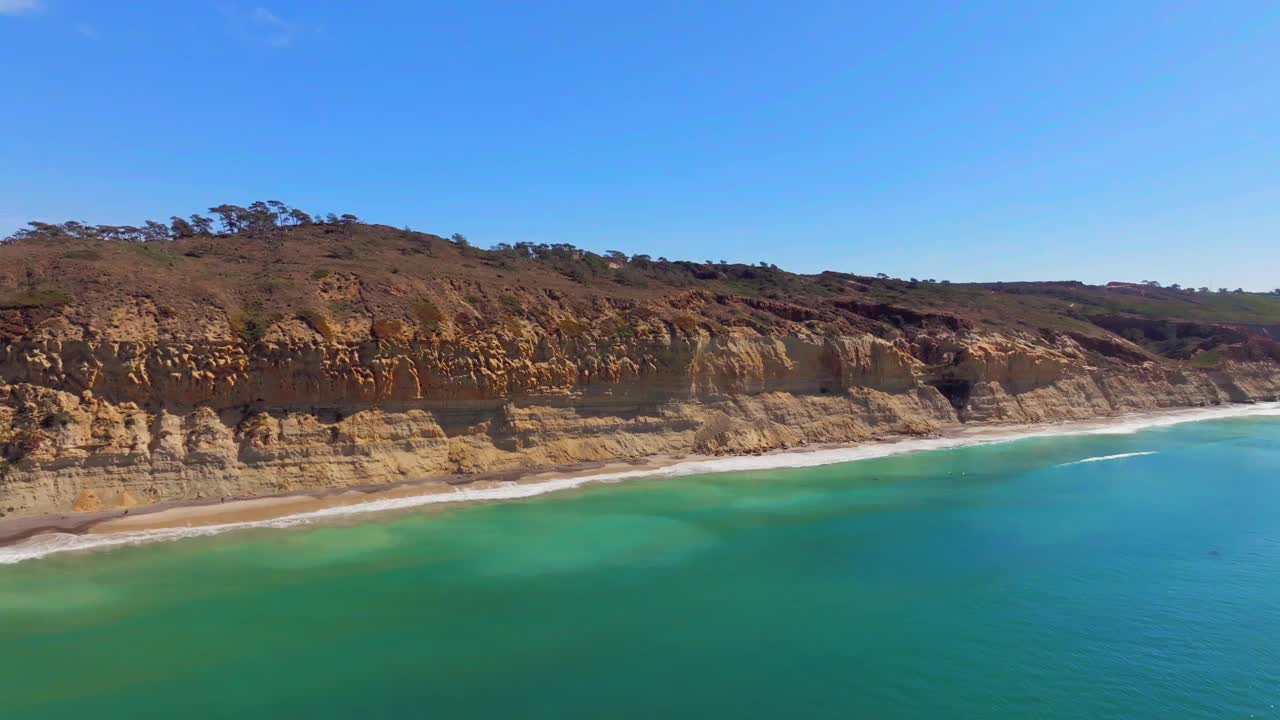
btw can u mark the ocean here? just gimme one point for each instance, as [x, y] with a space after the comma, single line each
[1132, 573]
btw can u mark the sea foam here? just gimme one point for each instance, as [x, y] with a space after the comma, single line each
[44, 545]
[1104, 458]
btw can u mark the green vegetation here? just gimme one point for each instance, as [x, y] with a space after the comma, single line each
[83, 254]
[22, 443]
[152, 253]
[262, 216]
[257, 257]
[317, 322]
[56, 419]
[25, 299]
[1207, 360]
[687, 323]
[570, 328]
[1211, 307]
[428, 315]
[271, 217]
[342, 307]
[273, 286]
[248, 327]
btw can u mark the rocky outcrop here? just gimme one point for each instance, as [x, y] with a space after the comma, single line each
[94, 424]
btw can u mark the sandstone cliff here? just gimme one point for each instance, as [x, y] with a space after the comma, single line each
[323, 370]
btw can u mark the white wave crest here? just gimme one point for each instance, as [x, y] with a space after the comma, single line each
[1103, 458]
[1137, 423]
[44, 545]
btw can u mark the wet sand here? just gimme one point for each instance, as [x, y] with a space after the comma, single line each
[231, 511]
[240, 510]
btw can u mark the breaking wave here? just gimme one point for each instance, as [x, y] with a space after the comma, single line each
[44, 545]
[1102, 458]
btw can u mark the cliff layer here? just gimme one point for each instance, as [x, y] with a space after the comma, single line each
[245, 366]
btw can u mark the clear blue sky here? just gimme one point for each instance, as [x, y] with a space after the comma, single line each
[970, 141]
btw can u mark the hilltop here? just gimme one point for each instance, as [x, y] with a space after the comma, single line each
[288, 275]
[271, 351]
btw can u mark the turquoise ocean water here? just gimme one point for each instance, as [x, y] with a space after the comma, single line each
[995, 581]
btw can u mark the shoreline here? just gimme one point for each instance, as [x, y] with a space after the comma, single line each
[174, 512]
[39, 536]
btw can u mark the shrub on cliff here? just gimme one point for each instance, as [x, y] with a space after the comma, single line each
[570, 328]
[687, 323]
[317, 322]
[248, 327]
[25, 299]
[57, 419]
[21, 443]
[388, 330]
[1207, 359]
[428, 315]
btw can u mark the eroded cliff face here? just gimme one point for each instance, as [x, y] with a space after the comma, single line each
[333, 355]
[99, 424]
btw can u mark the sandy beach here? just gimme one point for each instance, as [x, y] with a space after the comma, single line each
[248, 510]
[26, 538]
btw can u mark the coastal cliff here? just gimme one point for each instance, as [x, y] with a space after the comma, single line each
[304, 358]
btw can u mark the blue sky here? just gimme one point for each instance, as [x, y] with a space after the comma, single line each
[969, 141]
